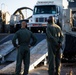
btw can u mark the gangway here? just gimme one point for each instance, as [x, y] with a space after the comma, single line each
[37, 55]
[5, 49]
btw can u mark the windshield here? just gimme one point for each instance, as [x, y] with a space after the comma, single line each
[48, 9]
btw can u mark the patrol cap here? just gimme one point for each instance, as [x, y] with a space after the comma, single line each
[24, 20]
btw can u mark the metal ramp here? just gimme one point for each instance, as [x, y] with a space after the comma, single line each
[6, 38]
[38, 54]
[7, 52]
[5, 49]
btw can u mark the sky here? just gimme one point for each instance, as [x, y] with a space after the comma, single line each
[12, 5]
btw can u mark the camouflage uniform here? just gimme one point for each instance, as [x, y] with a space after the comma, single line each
[54, 38]
[24, 37]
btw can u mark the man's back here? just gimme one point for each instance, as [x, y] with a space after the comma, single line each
[54, 34]
[24, 37]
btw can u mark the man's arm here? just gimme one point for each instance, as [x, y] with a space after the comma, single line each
[60, 39]
[61, 36]
[49, 35]
[14, 40]
[34, 39]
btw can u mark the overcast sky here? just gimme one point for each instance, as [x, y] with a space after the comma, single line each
[13, 5]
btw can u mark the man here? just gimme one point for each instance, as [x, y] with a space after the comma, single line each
[54, 40]
[24, 37]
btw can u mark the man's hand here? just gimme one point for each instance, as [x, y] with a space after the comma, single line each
[59, 46]
[29, 46]
[17, 46]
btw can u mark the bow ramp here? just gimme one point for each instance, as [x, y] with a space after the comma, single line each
[5, 49]
[37, 55]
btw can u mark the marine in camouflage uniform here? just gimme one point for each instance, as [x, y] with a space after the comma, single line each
[54, 42]
[24, 37]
